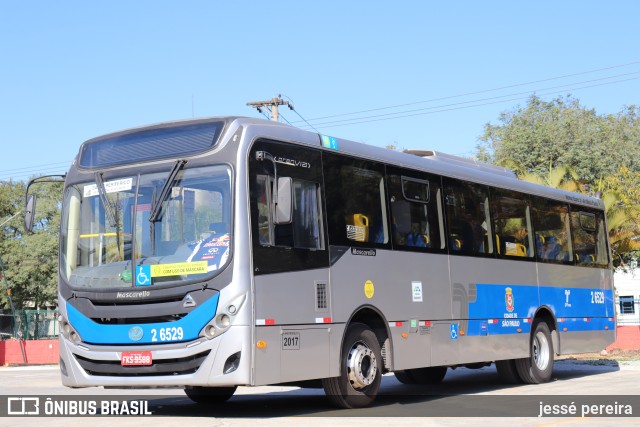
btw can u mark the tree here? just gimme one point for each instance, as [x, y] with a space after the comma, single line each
[623, 211]
[543, 135]
[561, 176]
[31, 260]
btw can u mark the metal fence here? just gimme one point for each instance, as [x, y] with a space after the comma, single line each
[28, 324]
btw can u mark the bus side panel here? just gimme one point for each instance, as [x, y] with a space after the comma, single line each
[492, 300]
[410, 289]
[581, 300]
[296, 331]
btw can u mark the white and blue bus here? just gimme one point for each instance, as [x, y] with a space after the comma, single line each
[214, 253]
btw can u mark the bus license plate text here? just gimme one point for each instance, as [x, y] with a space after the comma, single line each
[136, 358]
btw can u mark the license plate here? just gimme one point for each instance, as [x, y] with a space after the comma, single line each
[136, 358]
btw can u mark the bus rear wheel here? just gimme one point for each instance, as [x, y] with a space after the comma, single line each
[508, 371]
[209, 395]
[361, 370]
[431, 375]
[538, 367]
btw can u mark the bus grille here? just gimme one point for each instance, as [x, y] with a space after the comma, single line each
[140, 320]
[109, 368]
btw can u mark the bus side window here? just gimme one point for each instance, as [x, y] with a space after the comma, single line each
[356, 201]
[512, 222]
[416, 211]
[589, 234]
[552, 230]
[468, 218]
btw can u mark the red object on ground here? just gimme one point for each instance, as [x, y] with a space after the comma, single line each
[628, 338]
[37, 352]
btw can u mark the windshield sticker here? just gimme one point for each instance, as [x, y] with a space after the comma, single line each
[143, 275]
[178, 269]
[114, 186]
[214, 250]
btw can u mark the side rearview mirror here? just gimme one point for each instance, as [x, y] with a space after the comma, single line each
[29, 213]
[284, 205]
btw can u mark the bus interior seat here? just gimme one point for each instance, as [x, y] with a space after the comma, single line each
[360, 230]
[507, 245]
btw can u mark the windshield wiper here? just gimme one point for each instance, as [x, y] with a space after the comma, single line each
[156, 210]
[109, 210]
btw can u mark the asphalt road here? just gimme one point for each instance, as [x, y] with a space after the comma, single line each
[469, 397]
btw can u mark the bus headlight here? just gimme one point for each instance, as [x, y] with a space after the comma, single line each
[68, 331]
[224, 319]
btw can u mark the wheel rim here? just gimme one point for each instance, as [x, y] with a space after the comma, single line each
[541, 352]
[362, 366]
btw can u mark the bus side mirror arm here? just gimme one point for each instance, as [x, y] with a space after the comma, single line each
[30, 206]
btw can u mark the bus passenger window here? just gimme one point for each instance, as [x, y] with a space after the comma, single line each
[553, 230]
[590, 242]
[468, 220]
[512, 221]
[416, 211]
[356, 202]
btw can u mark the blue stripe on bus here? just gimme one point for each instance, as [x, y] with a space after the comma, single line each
[146, 333]
[509, 309]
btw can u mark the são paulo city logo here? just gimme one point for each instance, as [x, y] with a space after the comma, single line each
[510, 317]
[508, 299]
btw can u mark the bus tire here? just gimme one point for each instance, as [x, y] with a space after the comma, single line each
[404, 377]
[538, 367]
[508, 371]
[209, 395]
[431, 375]
[360, 370]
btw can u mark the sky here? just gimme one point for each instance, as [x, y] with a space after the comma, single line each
[415, 74]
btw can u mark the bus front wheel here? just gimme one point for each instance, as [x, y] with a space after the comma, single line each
[538, 367]
[209, 395]
[361, 370]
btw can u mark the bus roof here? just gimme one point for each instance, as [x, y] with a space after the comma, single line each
[425, 160]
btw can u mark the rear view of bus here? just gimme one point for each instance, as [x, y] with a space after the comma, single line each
[147, 292]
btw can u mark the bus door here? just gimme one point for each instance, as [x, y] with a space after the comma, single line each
[290, 262]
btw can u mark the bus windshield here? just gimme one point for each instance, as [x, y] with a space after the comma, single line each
[110, 239]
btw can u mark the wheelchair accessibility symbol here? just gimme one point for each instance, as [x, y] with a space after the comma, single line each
[143, 275]
[454, 331]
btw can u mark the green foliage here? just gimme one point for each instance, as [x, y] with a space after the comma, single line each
[543, 135]
[30, 260]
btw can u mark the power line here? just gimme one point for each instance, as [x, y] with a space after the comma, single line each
[296, 111]
[400, 114]
[37, 166]
[479, 92]
[24, 176]
[370, 119]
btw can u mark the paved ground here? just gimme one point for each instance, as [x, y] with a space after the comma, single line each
[463, 392]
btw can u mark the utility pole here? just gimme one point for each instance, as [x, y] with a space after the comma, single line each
[271, 105]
